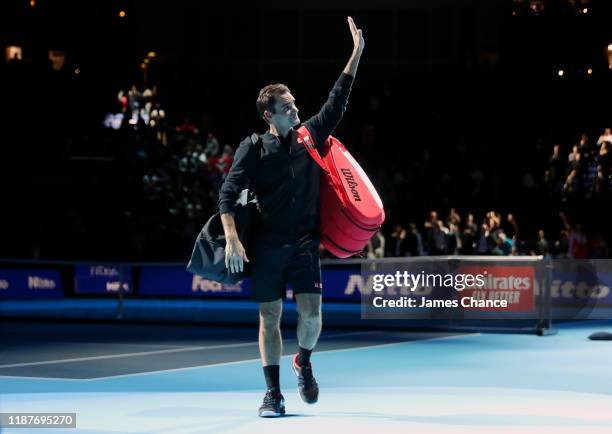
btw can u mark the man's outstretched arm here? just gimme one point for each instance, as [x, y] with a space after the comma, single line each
[358, 44]
[323, 123]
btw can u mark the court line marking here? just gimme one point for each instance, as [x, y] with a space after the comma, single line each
[171, 350]
[135, 374]
[117, 356]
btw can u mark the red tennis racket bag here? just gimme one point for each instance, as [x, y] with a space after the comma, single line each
[351, 210]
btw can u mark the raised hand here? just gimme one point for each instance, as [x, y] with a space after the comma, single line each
[357, 34]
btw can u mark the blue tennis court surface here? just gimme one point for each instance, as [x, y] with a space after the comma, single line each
[135, 378]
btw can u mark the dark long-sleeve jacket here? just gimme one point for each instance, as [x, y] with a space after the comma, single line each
[282, 174]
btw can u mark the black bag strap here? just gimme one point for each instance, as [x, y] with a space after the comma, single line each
[247, 196]
[256, 140]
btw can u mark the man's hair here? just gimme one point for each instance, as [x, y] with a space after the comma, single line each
[266, 100]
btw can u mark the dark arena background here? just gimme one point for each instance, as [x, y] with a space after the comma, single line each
[485, 126]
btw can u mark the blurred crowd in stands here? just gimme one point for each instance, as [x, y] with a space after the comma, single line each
[179, 170]
[586, 171]
[583, 175]
[493, 236]
[141, 190]
[182, 170]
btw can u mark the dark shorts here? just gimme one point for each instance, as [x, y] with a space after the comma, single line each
[275, 263]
